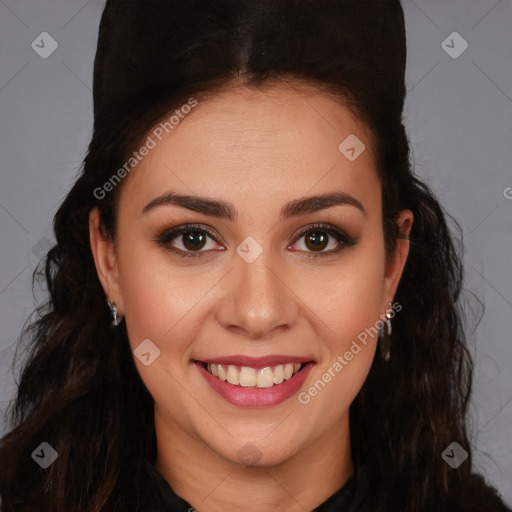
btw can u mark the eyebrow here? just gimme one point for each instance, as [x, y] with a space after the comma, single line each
[224, 210]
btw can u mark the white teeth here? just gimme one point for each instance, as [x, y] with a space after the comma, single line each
[278, 374]
[246, 376]
[265, 378]
[233, 375]
[288, 371]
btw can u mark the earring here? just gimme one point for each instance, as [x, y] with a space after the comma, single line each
[113, 310]
[385, 342]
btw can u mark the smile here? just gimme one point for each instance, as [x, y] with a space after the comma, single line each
[246, 377]
[264, 384]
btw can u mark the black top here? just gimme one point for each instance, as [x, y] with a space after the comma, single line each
[156, 495]
[148, 491]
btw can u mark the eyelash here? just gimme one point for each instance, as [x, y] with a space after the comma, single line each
[168, 235]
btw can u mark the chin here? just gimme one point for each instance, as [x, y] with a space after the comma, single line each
[267, 453]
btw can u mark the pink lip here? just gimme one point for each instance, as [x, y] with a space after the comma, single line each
[252, 396]
[258, 362]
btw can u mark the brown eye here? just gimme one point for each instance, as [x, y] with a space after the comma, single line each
[318, 237]
[316, 240]
[187, 241]
[194, 240]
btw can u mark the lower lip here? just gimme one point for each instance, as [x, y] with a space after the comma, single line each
[256, 397]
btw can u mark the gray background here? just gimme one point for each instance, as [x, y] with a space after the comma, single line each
[459, 119]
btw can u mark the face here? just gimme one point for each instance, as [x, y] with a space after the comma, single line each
[261, 280]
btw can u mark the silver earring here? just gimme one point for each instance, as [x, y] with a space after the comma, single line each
[385, 343]
[113, 310]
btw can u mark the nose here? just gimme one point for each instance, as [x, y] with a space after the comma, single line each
[256, 301]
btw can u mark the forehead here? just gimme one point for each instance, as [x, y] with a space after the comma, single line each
[266, 142]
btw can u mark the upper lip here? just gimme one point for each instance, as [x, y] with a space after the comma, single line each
[257, 362]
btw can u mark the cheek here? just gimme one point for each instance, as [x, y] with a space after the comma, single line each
[161, 304]
[349, 303]
[156, 297]
[348, 297]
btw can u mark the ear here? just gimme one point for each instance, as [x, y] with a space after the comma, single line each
[105, 260]
[396, 264]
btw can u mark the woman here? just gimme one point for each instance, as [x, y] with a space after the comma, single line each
[253, 300]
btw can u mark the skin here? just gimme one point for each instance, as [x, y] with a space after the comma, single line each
[256, 150]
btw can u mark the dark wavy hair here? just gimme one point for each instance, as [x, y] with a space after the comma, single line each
[79, 388]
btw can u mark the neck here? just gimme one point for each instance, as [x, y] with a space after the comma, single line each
[212, 483]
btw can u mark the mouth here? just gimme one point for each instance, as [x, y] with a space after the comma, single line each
[256, 382]
[250, 377]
